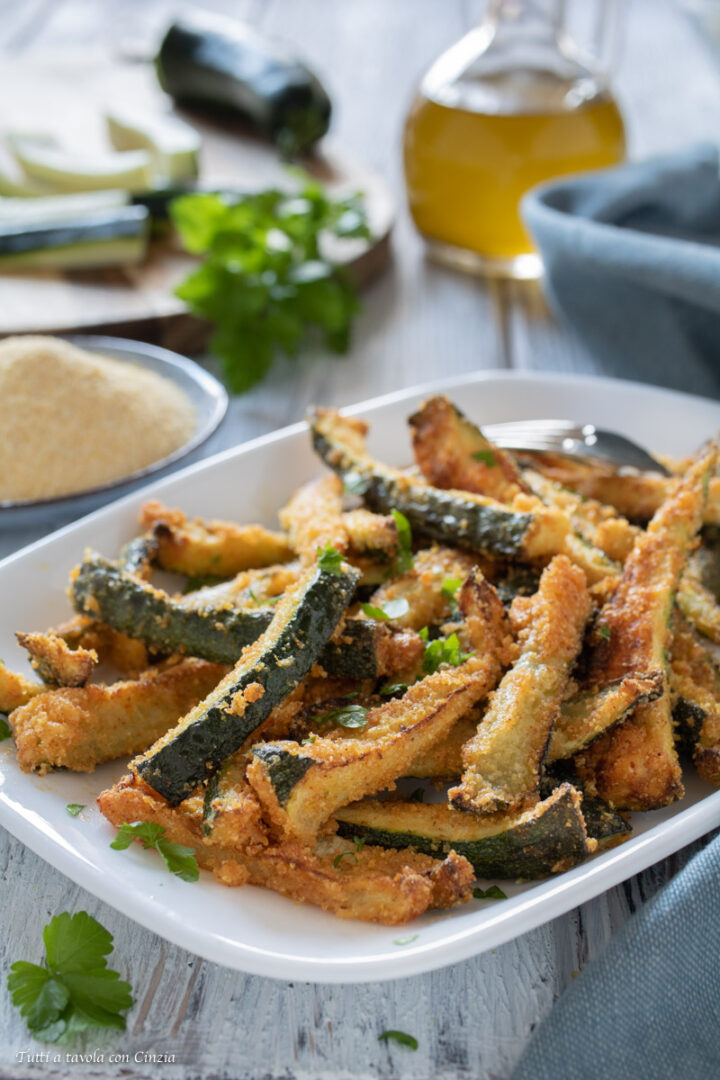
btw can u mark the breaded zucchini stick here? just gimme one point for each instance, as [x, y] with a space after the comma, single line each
[198, 548]
[16, 690]
[422, 586]
[55, 662]
[634, 766]
[301, 786]
[80, 728]
[695, 696]
[387, 887]
[502, 761]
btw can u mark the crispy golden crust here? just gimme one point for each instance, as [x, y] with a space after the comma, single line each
[695, 679]
[55, 662]
[588, 715]
[338, 772]
[80, 728]
[128, 655]
[16, 690]
[502, 761]
[453, 453]
[700, 606]
[387, 887]
[444, 760]
[422, 586]
[221, 548]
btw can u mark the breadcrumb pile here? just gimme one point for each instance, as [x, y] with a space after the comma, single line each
[71, 420]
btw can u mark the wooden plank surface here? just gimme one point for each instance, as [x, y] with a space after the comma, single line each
[419, 322]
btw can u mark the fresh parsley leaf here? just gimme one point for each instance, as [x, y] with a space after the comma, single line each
[391, 689]
[348, 716]
[5, 732]
[407, 940]
[449, 589]
[339, 858]
[359, 842]
[486, 456]
[603, 631]
[310, 739]
[492, 893]
[404, 558]
[394, 609]
[418, 795]
[74, 808]
[265, 282]
[443, 651]
[74, 989]
[330, 560]
[180, 860]
[400, 1037]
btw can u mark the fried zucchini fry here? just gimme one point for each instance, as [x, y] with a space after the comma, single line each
[127, 654]
[55, 662]
[699, 605]
[634, 765]
[387, 887]
[198, 548]
[586, 716]
[502, 761]
[232, 815]
[546, 839]
[301, 786]
[473, 522]
[422, 586]
[80, 728]
[453, 453]
[16, 690]
[695, 696]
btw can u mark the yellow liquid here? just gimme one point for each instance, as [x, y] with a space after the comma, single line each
[467, 171]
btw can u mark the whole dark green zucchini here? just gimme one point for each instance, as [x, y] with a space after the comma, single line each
[532, 844]
[101, 238]
[211, 61]
[123, 601]
[266, 673]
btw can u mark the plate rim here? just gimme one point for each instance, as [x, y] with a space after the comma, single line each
[514, 917]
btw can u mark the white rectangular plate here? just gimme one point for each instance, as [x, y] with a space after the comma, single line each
[252, 929]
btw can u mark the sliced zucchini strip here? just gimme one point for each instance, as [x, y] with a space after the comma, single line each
[426, 586]
[502, 761]
[586, 716]
[457, 518]
[546, 839]
[453, 453]
[199, 548]
[634, 765]
[301, 786]
[387, 887]
[55, 662]
[604, 826]
[232, 815]
[699, 605]
[695, 696]
[265, 674]
[80, 728]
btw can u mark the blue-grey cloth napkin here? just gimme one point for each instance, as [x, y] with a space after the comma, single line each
[649, 1007]
[632, 262]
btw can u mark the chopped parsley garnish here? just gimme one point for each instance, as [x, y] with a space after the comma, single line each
[449, 589]
[492, 893]
[359, 842]
[310, 739]
[5, 732]
[404, 557]
[603, 631]
[179, 860]
[442, 651]
[485, 456]
[330, 560]
[394, 609]
[75, 808]
[400, 1037]
[407, 940]
[347, 716]
[74, 989]
[390, 689]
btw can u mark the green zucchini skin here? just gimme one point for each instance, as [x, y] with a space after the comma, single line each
[93, 228]
[209, 734]
[602, 823]
[117, 597]
[224, 63]
[534, 844]
[138, 556]
[441, 515]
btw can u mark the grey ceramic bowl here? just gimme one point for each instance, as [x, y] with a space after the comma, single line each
[206, 393]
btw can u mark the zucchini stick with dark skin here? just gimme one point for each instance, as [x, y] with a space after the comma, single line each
[695, 697]
[266, 673]
[55, 662]
[473, 522]
[502, 761]
[301, 786]
[634, 765]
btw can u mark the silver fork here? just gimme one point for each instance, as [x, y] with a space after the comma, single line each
[574, 441]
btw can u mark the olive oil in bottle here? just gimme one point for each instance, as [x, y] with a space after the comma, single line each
[506, 108]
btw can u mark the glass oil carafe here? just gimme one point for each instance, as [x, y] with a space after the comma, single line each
[508, 106]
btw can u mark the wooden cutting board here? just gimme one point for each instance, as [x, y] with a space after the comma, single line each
[67, 95]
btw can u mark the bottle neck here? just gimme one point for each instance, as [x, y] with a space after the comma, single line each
[533, 21]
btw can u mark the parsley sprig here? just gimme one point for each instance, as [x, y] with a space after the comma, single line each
[330, 560]
[74, 989]
[399, 1037]
[494, 892]
[404, 558]
[180, 860]
[265, 281]
[449, 589]
[442, 651]
[393, 609]
[5, 732]
[347, 716]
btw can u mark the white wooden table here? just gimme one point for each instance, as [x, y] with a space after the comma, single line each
[419, 322]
